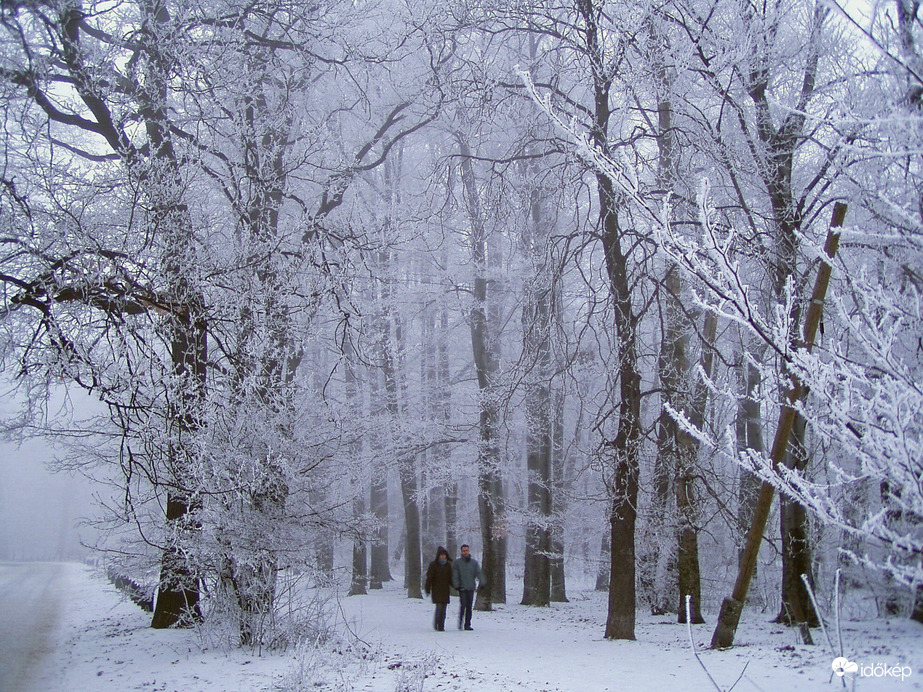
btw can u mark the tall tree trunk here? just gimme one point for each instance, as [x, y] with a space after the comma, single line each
[380, 570]
[661, 557]
[450, 502]
[357, 586]
[668, 474]
[624, 471]
[561, 473]
[602, 573]
[620, 622]
[688, 553]
[379, 550]
[796, 606]
[680, 449]
[379, 567]
[749, 436]
[177, 601]
[360, 553]
[485, 345]
[444, 414]
[406, 466]
[537, 313]
[780, 145]
[413, 581]
[431, 510]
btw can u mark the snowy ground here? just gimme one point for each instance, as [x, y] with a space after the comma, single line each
[103, 643]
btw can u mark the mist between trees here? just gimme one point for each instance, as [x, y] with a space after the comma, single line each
[382, 276]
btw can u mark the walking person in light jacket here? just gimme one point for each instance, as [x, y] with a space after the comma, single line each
[465, 571]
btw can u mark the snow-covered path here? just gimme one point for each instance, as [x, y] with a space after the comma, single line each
[561, 649]
[31, 594]
[104, 644]
[556, 649]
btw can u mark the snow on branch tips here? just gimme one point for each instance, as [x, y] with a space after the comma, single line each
[621, 173]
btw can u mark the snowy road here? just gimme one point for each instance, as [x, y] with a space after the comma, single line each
[31, 598]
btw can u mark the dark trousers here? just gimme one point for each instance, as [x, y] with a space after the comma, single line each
[466, 600]
[439, 617]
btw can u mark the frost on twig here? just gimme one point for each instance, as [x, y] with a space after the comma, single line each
[696, 653]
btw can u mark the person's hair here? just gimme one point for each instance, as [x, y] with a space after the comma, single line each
[465, 545]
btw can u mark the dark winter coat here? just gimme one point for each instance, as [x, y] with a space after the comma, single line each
[464, 572]
[439, 580]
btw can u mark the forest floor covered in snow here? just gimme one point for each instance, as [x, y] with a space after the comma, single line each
[386, 643]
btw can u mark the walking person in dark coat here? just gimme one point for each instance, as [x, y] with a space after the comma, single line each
[465, 571]
[438, 582]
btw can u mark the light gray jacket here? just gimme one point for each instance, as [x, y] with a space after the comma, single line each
[464, 573]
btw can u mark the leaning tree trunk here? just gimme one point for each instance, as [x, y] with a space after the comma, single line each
[731, 607]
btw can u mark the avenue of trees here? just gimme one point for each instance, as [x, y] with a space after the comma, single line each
[351, 280]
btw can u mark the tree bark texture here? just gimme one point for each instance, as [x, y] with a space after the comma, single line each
[749, 437]
[797, 607]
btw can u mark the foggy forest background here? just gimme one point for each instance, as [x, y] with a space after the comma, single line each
[351, 280]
